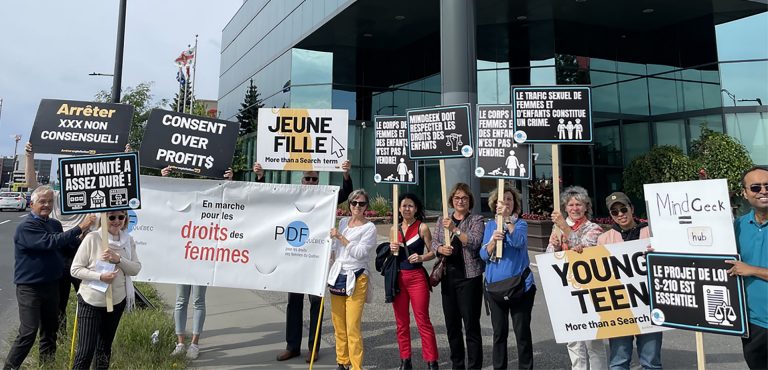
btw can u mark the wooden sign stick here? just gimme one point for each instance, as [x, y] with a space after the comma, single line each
[395, 208]
[500, 218]
[444, 193]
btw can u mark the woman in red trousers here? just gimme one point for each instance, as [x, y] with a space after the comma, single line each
[413, 281]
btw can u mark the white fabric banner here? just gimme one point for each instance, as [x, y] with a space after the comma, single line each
[235, 234]
[600, 293]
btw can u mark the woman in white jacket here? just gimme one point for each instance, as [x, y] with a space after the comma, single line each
[98, 269]
[348, 279]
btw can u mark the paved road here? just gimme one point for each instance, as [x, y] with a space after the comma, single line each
[9, 312]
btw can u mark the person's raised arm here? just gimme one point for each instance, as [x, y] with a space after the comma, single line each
[30, 177]
[259, 171]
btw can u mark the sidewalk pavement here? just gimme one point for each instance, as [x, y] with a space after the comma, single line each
[246, 328]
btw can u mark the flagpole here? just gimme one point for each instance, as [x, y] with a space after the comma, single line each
[186, 84]
[194, 75]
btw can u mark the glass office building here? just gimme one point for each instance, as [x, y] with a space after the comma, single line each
[659, 71]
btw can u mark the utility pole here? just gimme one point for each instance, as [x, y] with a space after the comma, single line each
[118, 75]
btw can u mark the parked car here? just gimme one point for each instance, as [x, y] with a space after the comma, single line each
[13, 200]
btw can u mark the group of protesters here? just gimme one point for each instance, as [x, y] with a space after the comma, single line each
[55, 251]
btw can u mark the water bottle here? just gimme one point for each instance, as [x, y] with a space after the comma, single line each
[155, 337]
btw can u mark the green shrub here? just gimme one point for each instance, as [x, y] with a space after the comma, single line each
[380, 205]
[722, 157]
[662, 164]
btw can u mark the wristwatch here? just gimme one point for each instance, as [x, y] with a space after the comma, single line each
[458, 232]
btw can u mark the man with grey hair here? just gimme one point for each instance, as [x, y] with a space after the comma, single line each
[38, 268]
[67, 223]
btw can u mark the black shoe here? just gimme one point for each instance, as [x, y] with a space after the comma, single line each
[405, 364]
[433, 365]
[342, 367]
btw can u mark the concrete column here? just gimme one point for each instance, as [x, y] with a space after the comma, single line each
[458, 79]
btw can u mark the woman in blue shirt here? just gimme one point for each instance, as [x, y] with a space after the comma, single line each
[511, 266]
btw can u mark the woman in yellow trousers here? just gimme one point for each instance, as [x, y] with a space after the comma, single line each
[348, 280]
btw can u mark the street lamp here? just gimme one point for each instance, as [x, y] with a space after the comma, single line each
[384, 107]
[100, 74]
[732, 96]
[759, 102]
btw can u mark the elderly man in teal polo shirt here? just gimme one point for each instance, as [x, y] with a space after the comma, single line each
[752, 240]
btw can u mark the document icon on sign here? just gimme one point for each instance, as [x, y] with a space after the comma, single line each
[717, 305]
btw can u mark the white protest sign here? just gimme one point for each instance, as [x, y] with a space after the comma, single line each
[600, 293]
[216, 233]
[691, 217]
[302, 139]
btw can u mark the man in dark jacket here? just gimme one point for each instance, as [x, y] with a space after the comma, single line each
[295, 309]
[38, 268]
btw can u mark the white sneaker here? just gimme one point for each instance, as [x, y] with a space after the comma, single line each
[179, 350]
[193, 351]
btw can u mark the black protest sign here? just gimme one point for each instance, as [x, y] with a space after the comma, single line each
[99, 183]
[76, 127]
[553, 115]
[440, 132]
[196, 145]
[392, 163]
[497, 154]
[695, 292]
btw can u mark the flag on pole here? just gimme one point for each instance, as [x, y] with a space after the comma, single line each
[180, 77]
[186, 58]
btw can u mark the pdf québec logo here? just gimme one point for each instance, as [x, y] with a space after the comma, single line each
[295, 233]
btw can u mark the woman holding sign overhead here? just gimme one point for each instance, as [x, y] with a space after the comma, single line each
[510, 288]
[574, 231]
[98, 269]
[413, 281]
[462, 289]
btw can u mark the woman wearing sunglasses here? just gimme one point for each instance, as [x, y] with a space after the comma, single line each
[575, 231]
[625, 228]
[98, 269]
[462, 285]
[354, 239]
[413, 239]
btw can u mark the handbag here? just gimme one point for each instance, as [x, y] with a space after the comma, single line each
[508, 289]
[438, 271]
[340, 286]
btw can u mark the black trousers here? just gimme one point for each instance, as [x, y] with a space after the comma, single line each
[294, 321]
[520, 311]
[96, 330]
[64, 283]
[462, 304]
[756, 347]
[37, 310]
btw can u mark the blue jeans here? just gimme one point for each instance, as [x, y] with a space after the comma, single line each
[648, 350]
[198, 308]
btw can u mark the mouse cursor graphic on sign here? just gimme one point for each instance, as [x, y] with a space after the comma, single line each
[337, 148]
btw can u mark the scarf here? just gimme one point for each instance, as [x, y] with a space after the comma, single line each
[575, 225]
[123, 247]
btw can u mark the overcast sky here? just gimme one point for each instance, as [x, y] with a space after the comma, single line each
[48, 48]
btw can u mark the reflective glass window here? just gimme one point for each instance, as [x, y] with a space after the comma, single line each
[607, 143]
[671, 133]
[751, 129]
[636, 140]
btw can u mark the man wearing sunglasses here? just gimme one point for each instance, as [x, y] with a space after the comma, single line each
[752, 242]
[625, 228]
[294, 312]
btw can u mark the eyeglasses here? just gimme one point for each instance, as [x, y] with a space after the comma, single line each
[623, 210]
[461, 199]
[311, 178]
[755, 188]
[120, 217]
[355, 203]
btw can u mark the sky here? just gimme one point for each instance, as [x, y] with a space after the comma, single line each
[48, 48]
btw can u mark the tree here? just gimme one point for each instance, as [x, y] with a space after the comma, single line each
[662, 164]
[142, 100]
[721, 157]
[249, 113]
[180, 104]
